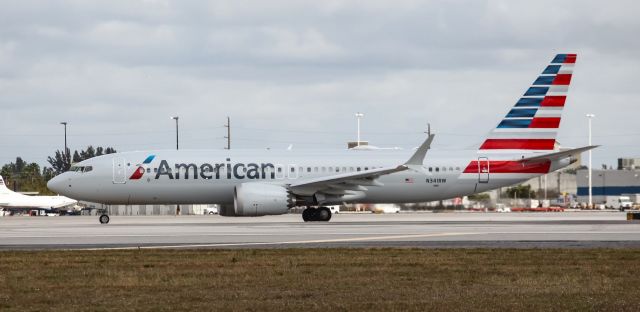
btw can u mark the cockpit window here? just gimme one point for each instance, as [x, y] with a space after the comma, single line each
[81, 169]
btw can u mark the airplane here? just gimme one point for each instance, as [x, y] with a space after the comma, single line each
[270, 182]
[11, 200]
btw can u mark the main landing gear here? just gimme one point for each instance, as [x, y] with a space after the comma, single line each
[316, 214]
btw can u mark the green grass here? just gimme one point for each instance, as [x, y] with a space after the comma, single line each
[321, 279]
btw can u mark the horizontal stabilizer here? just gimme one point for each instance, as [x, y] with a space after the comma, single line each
[561, 154]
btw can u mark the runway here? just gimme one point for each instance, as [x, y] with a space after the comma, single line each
[418, 230]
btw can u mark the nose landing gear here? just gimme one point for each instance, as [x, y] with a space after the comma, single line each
[316, 214]
[104, 219]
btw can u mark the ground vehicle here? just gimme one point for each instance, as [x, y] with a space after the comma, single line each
[211, 210]
[618, 202]
[385, 208]
[502, 208]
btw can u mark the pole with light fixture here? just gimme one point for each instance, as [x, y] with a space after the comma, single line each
[176, 119]
[64, 123]
[590, 116]
[177, 147]
[358, 116]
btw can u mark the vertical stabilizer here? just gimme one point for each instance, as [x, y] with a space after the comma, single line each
[532, 124]
[3, 187]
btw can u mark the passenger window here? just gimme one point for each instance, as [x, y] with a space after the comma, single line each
[279, 169]
[87, 169]
[315, 169]
[457, 168]
[366, 168]
[430, 169]
[351, 169]
[308, 169]
[444, 169]
[344, 169]
[450, 168]
[330, 169]
[148, 170]
[155, 170]
[437, 169]
[293, 169]
[357, 168]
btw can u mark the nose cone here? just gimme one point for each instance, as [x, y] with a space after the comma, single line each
[57, 184]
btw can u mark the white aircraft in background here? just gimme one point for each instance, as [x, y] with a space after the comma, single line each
[12, 200]
[267, 182]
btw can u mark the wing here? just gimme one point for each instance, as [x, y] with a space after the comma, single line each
[354, 185]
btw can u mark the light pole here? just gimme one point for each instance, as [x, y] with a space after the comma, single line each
[64, 123]
[176, 119]
[590, 116]
[177, 146]
[358, 116]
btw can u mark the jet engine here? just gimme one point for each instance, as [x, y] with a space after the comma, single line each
[261, 199]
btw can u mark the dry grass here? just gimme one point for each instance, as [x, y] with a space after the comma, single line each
[321, 279]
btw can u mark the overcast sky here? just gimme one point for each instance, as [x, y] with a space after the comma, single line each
[295, 72]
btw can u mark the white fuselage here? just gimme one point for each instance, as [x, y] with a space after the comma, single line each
[210, 176]
[10, 199]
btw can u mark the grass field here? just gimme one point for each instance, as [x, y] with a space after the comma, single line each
[321, 279]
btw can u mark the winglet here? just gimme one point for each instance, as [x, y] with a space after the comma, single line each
[418, 157]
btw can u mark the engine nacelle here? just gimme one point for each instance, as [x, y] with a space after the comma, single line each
[261, 199]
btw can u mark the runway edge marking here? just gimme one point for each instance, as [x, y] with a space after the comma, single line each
[338, 240]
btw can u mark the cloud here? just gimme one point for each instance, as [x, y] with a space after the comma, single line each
[295, 72]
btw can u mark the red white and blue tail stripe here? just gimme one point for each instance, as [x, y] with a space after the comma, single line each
[532, 124]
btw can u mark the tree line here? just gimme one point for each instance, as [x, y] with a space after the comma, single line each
[28, 177]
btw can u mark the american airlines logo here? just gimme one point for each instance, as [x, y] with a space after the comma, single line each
[207, 171]
[141, 168]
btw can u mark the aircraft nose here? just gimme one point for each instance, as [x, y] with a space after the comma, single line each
[57, 184]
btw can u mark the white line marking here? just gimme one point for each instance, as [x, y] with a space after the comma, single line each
[338, 240]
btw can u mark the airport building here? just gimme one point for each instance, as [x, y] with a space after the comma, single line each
[607, 183]
[628, 163]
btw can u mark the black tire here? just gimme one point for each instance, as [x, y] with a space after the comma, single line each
[323, 214]
[312, 214]
[104, 219]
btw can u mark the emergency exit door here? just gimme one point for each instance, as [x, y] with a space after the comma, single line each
[119, 171]
[483, 170]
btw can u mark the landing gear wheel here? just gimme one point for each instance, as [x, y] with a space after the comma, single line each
[309, 214]
[323, 214]
[316, 214]
[104, 219]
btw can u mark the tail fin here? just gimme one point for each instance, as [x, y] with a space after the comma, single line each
[2, 185]
[532, 124]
